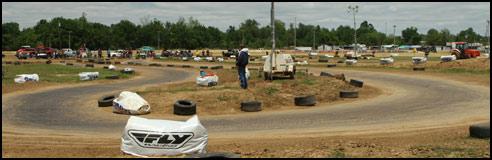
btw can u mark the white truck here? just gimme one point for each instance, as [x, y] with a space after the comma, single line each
[282, 64]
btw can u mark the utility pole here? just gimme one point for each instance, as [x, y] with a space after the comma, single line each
[59, 35]
[488, 34]
[273, 41]
[314, 38]
[394, 36]
[84, 19]
[354, 10]
[69, 44]
[295, 33]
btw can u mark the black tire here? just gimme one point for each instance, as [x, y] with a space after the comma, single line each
[91, 60]
[69, 64]
[138, 63]
[480, 131]
[79, 60]
[356, 83]
[153, 64]
[62, 61]
[89, 65]
[186, 66]
[234, 67]
[170, 65]
[418, 68]
[323, 60]
[129, 63]
[48, 62]
[128, 72]
[112, 77]
[117, 63]
[349, 94]
[340, 62]
[17, 63]
[8, 62]
[217, 67]
[108, 62]
[106, 100]
[203, 67]
[105, 67]
[213, 155]
[331, 65]
[184, 107]
[325, 74]
[250, 106]
[308, 100]
[252, 59]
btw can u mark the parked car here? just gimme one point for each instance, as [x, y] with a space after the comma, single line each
[144, 51]
[67, 52]
[118, 53]
[44, 52]
[25, 52]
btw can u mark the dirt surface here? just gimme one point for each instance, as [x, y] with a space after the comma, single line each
[450, 141]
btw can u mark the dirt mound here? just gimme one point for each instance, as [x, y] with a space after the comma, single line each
[226, 97]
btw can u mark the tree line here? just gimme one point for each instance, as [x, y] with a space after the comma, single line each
[190, 34]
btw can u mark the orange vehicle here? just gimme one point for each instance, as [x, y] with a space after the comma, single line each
[462, 51]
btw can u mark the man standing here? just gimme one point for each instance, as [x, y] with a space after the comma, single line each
[427, 50]
[241, 62]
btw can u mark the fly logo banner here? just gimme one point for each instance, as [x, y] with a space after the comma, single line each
[160, 140]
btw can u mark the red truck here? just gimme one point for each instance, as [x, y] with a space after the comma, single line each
[24, 52]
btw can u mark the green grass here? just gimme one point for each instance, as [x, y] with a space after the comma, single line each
[271, 90]
[462, 71]
[337, 154]
[308, 82]
[49, 72]
[437, 151]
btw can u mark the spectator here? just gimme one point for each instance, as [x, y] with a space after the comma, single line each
[223, 54]
[198, 53]
[203, 52]
[427, 50]
[109, 53]
[99, 52]
[241, 62]
[208, 53]
[130, 54]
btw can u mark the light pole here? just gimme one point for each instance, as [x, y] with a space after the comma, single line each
[295, 49]
[242, 43]
[272, 55]
[84, 19]
[394, 36]
[69, 46]
[158, 39]
[354, 10]
[314, 38]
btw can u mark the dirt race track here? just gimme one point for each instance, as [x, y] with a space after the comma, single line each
[64, 122]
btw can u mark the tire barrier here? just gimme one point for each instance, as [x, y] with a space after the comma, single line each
[108, 62]
[186, 66]
[69, 64]
[129, 63]
[323, 60]
[184, 107]
[105, 67]
[112, 77]
[138, 63]
[62, 61]
[90, 60]
[217, 67]
[325, 74]
[16, 63]
[8, 62]
[356, 83]
[78, 60]
[100, 62]
[154, 64]
[308, 100]
[418, 68]
[340, 62]
[331, 65]
[89, 65]
[48, 62]
[213, 155]
[349, 94]
[250, 106]
[234, 67]
[128, 72]
[170, 65]
[252, 59]
[117, 63]
[106, 100]
[203, 67]
[480, 131]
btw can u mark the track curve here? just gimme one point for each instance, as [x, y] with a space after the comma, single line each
[409, 100]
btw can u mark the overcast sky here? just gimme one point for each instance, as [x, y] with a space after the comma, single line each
[455, 16]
